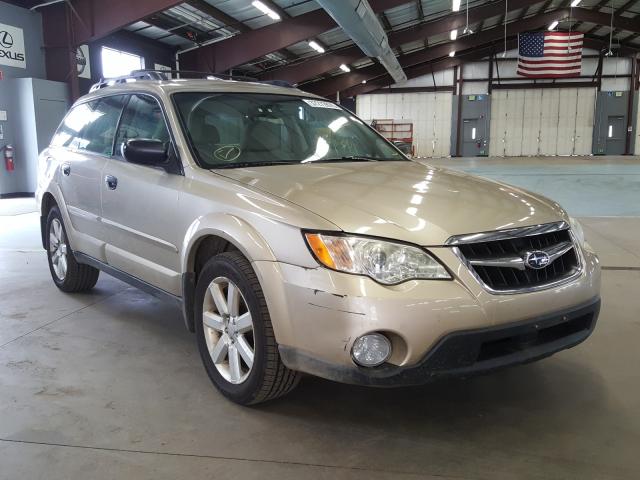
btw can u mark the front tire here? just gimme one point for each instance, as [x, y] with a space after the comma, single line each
[68, 275]
[234, 333]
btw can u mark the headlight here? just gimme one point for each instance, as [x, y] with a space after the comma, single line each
[577, 230]
[385, 262]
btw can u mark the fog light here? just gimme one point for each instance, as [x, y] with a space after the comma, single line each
[371, 350]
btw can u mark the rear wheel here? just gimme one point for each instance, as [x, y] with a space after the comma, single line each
[235, 335]
[68, 275]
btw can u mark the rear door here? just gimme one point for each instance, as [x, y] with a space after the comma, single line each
[82, 145]
[140, 203]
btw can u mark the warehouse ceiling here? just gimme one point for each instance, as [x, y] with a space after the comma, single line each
[224, 35]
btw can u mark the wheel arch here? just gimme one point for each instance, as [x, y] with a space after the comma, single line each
[212, 235]
[48, 201]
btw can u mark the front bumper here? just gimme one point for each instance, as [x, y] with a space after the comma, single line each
[317, 314]
[468, 352]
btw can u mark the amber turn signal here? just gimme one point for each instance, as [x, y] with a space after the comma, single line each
[320, 250]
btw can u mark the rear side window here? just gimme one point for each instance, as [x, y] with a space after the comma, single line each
[142, 118]
[91, 126]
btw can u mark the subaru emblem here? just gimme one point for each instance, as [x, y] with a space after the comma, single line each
[537, 260]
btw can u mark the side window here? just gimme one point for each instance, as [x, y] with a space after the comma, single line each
[101, 131]
[142, 118]
[91, 126]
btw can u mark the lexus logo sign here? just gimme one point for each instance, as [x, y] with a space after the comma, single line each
[6, 40]
[12, 51]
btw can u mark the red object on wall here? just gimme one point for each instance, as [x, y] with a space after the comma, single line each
[395, 132]
[9, 164]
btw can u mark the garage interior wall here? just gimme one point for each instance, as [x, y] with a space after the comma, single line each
[524, 122]
[429, 112]
[542, 122]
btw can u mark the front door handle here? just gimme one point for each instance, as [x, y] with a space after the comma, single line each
[66, 169]
[111, 181]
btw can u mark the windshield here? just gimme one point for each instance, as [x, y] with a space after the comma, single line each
[234, 130]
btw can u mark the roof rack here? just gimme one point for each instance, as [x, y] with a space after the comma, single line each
[151, 74]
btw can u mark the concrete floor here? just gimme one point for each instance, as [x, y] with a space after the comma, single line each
[110, 385]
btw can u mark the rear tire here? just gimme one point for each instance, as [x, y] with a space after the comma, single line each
[225, 327]
[68, 275]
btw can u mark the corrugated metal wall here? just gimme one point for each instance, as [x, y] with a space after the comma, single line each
[430, 114]
[542, 122]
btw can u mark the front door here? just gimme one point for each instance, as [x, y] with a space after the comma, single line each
[140, 203]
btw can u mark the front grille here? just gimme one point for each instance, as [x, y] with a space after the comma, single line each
[492, 258]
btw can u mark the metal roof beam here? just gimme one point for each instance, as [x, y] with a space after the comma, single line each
[226, 54]
[427, 68]
[175, 27]
[355, 77]
[67, 25]
[331, 60]
[343, 81]
[94, 19]
[599, 18]
[218, 15]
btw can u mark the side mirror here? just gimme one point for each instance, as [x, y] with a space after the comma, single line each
[145, 151]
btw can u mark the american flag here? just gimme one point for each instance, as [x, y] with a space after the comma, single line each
[550, 54]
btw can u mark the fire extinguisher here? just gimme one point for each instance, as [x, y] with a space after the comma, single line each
[8, 158]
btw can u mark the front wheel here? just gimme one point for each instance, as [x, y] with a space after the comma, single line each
[235, 335]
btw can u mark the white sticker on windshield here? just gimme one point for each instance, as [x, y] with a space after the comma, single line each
[320, 104]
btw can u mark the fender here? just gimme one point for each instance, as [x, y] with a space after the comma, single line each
[230, 227]
[233, 229]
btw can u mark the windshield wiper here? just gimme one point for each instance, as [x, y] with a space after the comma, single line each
[252, 164]
[349, 158]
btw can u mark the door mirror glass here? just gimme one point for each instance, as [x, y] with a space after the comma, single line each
[145, 151]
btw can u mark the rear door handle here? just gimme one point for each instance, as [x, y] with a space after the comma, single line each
[111, 181]
[66, 169]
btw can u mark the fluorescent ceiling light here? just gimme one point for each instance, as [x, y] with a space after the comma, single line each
[316, 46]
[452, 54]
[455, 5]
[344, 68]
[453, 35]
[266, 10]
[553, 25]
[575, 3]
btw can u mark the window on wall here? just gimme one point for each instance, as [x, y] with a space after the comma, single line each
[116, 63]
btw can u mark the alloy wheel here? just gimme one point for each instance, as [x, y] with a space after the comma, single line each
[58, 249]
[228, 330]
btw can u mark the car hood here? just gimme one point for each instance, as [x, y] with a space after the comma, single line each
[407, 201]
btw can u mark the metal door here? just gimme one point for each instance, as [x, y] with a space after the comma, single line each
[615, 135]
[473, 137]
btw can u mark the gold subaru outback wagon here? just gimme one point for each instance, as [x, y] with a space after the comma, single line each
[298, 240]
